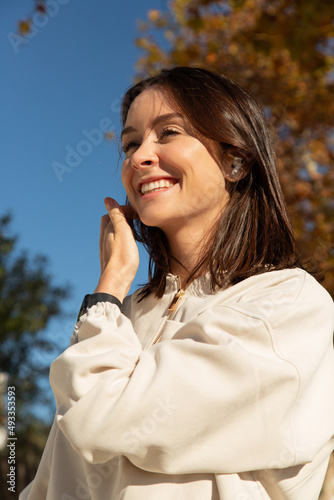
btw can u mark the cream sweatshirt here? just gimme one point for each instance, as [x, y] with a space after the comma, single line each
[234, 402]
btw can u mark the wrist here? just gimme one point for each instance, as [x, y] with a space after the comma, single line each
[113, 284]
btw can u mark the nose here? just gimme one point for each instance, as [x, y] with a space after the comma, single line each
[144, 156]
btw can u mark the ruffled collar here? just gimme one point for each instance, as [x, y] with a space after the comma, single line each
[199, 286]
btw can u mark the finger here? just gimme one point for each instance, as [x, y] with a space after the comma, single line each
[117, 213]
[127, 210]
[105, 220]
[110, 203]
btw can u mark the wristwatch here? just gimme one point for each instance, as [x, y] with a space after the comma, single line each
[94, 298]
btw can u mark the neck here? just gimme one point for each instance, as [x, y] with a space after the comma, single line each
[186, 247]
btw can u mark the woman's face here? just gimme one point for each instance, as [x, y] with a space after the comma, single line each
[170, 177]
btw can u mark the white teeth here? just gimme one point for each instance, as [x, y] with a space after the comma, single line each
[153, 186]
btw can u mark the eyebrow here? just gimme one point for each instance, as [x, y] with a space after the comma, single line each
[159, 119]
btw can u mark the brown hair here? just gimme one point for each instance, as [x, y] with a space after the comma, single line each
[254, 233]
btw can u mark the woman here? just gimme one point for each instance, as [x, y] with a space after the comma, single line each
[215, 380]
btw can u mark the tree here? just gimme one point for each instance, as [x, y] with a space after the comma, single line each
[28, 302]
[282, 51]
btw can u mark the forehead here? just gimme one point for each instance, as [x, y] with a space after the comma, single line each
[150, 103]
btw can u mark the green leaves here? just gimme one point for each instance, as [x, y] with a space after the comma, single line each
[28, 301]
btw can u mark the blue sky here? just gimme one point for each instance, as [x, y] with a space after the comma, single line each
[55, 89]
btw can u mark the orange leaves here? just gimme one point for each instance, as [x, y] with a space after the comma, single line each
[211, 58]
[169, 35]
[110, 136]
[153, 15]
[302, 190]
[282, 51]
[233, 49]
[320, 151]
[155, 18]
[40, 7]
[24, 27]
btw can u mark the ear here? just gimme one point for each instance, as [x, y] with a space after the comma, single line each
[237, 169]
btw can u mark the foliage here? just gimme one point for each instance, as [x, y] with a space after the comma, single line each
[25, 25]
[28, 301]
[282, 51]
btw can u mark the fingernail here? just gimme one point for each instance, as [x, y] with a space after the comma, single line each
[110, 204]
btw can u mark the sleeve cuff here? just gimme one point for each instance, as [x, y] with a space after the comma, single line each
[94, 298]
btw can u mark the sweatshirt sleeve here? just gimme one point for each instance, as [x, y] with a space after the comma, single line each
[243, 386]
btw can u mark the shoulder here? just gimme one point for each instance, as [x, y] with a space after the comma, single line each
[286, 286]
[289, 302]
[280, 300]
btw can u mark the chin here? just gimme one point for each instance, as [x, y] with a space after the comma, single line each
[149, 219]
[150, 222]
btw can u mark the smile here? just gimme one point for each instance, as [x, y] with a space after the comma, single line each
[159, 185]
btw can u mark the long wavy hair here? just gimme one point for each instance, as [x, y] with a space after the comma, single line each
[254, 233]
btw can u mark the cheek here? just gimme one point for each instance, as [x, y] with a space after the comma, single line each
[126, 176]
[210, 186]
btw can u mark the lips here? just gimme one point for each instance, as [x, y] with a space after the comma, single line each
[150, 187]
[158, 184]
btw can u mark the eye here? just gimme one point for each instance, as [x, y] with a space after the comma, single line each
[129, 145]
[167, 131]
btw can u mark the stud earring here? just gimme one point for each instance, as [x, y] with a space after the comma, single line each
[237, 165]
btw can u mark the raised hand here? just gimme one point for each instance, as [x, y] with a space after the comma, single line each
[119, 256]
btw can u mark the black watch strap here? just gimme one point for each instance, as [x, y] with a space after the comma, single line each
[94, 298]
